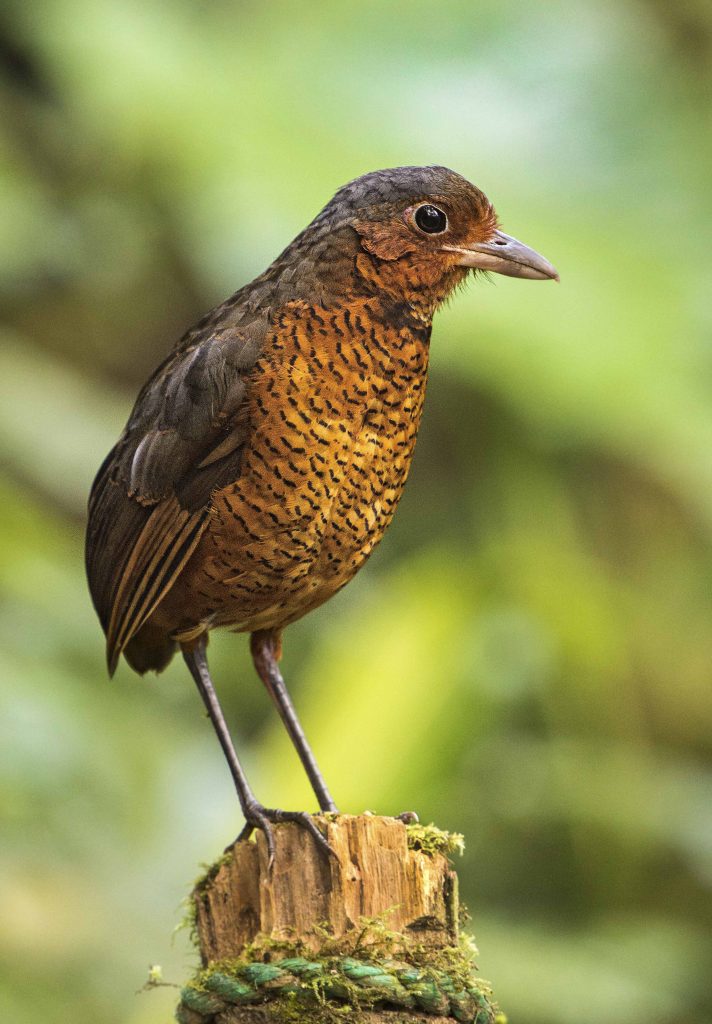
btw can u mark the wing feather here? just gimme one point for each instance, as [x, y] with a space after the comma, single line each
[165, 544]
[151, 500]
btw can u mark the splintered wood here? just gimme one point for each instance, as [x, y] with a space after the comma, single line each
[374, 873]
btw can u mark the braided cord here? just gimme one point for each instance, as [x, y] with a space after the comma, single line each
[343, 979]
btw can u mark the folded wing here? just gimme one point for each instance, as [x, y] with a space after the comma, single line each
[151, 499]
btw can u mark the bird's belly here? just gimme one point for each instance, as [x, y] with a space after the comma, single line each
[366, 502]
[282, 542]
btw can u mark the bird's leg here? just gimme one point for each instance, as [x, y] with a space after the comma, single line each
[266, 650]
[256, 816]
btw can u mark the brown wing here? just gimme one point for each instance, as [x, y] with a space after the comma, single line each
[150, 502]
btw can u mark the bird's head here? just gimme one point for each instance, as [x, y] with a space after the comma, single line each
[422, 229]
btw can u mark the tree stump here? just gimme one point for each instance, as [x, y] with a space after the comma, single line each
[370, 933]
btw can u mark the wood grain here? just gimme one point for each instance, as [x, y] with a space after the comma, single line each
[374, 873]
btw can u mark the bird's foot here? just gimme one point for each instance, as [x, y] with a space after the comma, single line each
[262, 818]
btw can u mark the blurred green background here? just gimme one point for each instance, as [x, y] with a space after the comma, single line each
[527, 657]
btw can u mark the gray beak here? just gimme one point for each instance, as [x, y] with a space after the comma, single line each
[505, 255]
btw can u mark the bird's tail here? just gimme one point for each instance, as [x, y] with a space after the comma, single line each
[151, 649]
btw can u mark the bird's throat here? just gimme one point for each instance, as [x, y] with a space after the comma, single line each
[408, 284]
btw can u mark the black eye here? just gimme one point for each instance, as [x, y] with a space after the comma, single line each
[430, 219]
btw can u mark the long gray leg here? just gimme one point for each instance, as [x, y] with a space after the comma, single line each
[266, 649]
[256, 816]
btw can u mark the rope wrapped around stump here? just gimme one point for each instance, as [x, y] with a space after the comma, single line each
[361, 983]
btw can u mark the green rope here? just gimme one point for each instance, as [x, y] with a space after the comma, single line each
[365, 983]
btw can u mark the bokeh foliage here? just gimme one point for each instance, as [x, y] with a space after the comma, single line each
[526, 659]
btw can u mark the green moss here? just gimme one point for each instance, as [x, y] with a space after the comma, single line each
[189, 917]
[344, 978]
[431, 839]
[210, 871]
[370, 933]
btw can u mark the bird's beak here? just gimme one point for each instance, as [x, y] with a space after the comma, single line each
[505, 255]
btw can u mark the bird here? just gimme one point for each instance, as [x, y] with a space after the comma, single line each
[264, 458]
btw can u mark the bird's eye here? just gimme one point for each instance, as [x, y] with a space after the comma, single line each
[430, 219]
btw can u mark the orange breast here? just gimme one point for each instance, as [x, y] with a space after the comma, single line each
[333, 415]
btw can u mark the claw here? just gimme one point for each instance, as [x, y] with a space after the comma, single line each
[263, 818]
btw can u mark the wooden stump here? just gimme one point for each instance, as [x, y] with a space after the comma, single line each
[373, 929]
[376, 874]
